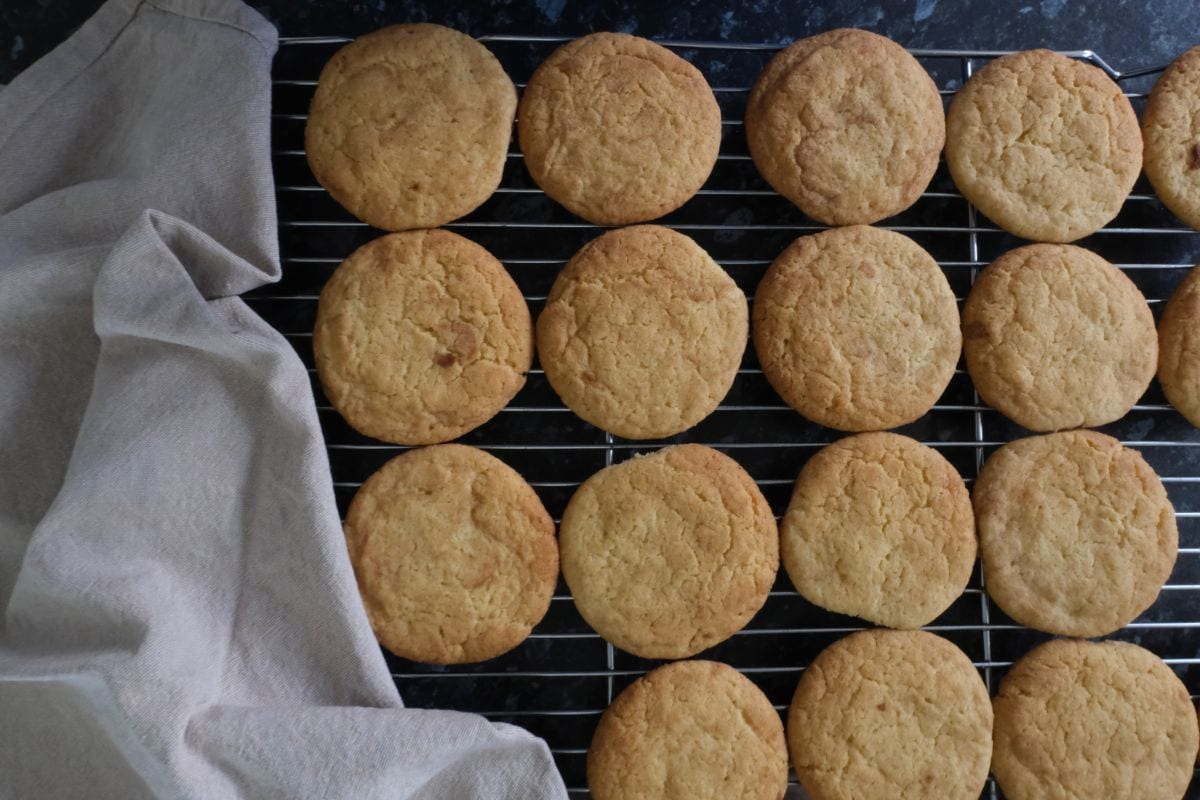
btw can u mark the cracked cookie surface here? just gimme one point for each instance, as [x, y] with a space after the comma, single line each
[1076, 532]
[1171, 130]
[1056, 337]
[1179, 347]
[856, 328]
[618, 129]
[409, 126]
[1077, 719]
[692, 730]
[642, 333]
[891, 715]
[881, 527]
[847, 125]
[421, 337]
[454, 555]
[1047, 147]
[669, 553]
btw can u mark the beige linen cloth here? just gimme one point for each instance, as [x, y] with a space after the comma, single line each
[179, 614]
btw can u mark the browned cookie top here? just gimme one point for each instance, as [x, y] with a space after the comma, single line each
[880, 526]
[1171, 129]
[1079, 719]
[1047, 147]
[454, 554]
[1056, 337]
[847, 125]
[1179, 348]
[669, 553]
[420, 337]
[856, 328]
[643, 333]
[692, 730]
[1076, 532]
[409, 126]
[618, 129]
[891, 715]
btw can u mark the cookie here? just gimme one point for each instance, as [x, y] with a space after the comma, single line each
[669, 553]
[1076, 533]
[1179, 348]
[1047, 147]
[856, 328]
[689, 731]
[454, 554]
[409, 126]
[847, 125]
[881, 527]
[891, 715]
[1056, 337]
[642, 333]
[618, 129]
[1171, 130]
[420, 337]
[1093, 719]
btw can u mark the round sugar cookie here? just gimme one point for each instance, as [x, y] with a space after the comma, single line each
[691, 730]
[618, 129]
[847, 125]
[1179, 348]
[454, 554]
[1046, 146]
[881, 527]
[1171, 130]
[1076, 532]
[421, 337]
[1093, 719]
[891, 715]
[669, 553]
[856, 328]
[409, 126]
[642, 333]
[1056, 337]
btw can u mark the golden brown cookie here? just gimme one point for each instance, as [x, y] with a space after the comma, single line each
[642, 333]
[669, 553]
[1056, 337]
[891, 715]
[1171, 130]
[857, 328]
[421, 337]
[1047, 147]
[847, 125]
[1076, 532]
[1079, 719]
[689, 731]
[454, 554]
[1179, 348]
[618, 129]
[880, 526]
[409, 126]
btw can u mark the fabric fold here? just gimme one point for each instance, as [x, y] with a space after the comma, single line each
[180, 616]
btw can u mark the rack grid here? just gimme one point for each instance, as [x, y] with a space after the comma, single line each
[558, 682]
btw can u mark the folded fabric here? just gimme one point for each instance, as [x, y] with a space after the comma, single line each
[179, 614]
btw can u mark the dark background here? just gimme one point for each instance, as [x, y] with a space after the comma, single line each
[1129, 35]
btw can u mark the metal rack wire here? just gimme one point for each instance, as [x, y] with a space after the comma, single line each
[559, 682]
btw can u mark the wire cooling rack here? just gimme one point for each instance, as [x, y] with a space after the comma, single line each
[559, 682]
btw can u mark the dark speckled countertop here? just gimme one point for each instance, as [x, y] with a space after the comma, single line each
[1126, 33]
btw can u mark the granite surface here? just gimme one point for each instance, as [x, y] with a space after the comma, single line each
[1128, 34]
